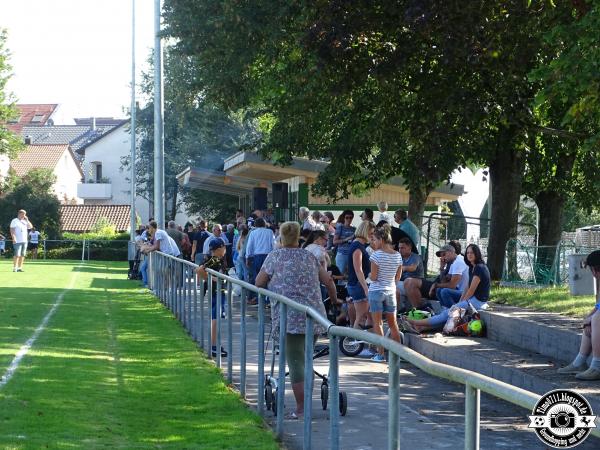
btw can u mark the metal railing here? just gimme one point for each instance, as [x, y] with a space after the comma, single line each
[176, 284]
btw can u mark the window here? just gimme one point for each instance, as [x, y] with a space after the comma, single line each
[98, 172]
[37, 118]
[14, 119]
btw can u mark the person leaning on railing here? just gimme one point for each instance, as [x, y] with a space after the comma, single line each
[296, 274]
[590, 339]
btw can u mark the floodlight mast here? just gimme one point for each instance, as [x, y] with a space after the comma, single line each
[133, 215]
[159, 143]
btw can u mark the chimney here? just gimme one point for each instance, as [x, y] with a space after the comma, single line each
[93, 124]
[27, 140]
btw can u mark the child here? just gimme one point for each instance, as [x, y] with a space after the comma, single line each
[383, 214]
[217, 263]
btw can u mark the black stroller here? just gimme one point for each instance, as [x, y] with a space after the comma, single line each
[134, 266]
[321, 350]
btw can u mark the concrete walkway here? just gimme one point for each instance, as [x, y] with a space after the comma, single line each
[432, 409]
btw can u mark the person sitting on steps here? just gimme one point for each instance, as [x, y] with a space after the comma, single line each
[590, 339]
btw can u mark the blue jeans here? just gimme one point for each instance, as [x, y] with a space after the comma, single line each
[357, 293]
[257, 262]
[381, 301]
[448, 296]
[144, 272]
[440, 319]
[240, 269]
[341, 261]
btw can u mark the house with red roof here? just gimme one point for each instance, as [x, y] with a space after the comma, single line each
[33, 115]
[60, 160]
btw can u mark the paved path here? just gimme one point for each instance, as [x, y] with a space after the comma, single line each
[431, 408]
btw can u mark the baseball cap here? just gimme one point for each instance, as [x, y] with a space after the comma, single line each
[444, 249]
[216, 244]
[593, 259]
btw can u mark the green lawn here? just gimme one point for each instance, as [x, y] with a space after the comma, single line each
[552, 299]
[113, 369]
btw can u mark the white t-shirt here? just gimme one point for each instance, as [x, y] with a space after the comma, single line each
[20, 230]
[320, 253]
[385, 216]
[459, 267]
[34, 236]
[387, 264]
[166, 243]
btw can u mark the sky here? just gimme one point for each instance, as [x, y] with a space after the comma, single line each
[76, 53]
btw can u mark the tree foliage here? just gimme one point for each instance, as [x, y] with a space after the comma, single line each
[34, 193]
[9, 143]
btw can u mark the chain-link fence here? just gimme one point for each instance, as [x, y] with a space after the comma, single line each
[531, 266]
[440, 228]
[107, 250]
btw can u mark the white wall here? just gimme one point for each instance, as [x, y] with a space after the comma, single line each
[67, 178]
[109, 150]
[4, 165]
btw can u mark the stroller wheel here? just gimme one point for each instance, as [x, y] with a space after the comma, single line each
[350, 347]
[268, 397]
[274, 396]
[324, 395]
[343, 403]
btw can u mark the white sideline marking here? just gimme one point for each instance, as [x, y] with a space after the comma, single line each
[14, 365]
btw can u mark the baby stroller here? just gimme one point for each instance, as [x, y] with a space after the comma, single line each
[271, 388]
[134, 266]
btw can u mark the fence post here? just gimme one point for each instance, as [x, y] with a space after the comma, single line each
[243, 298]
[45, 249]
[218, 308]
[210, 300]
[334, 393]
[261, 355]
[393, 402]
[202, 301]
[83, 251]
[194, 318]
[229, 334]
[308, 382]
[472, 399]
[281, 374]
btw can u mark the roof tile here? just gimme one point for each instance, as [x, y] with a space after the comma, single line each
[82, 218]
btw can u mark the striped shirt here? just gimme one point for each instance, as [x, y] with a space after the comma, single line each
[387, 264]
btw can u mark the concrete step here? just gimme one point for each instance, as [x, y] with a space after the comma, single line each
[513, 365]
[548, 334]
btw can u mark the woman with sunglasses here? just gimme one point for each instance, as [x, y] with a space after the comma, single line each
[344, 234]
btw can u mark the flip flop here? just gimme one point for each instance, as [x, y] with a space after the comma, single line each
[292, 416]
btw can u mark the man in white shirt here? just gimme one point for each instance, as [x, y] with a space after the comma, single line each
[449, 293]
[34, 242]
[18, 231]
[161, 242]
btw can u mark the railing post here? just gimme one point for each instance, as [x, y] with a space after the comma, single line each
[308, 382]
[334, 393]
[261, 355]
[229, 334]
[393, 402]
[45, 249]
[243, 344]
[210, 300]
[218, 308]
[281, 374]
[194, 318]
[202, 302]
[472, 400]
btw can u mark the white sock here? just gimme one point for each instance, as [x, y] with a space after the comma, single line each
[595, 364]
[579, 360]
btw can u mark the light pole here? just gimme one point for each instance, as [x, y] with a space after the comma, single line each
[159, 144]
[132, 221]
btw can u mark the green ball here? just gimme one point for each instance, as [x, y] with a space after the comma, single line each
[475, 326]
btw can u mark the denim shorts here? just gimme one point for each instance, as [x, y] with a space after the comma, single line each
[357, 293]
[19, 248]
[382, 301]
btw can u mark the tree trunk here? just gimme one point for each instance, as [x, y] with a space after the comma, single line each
[506, 173]
[551, 206]
[416, 203]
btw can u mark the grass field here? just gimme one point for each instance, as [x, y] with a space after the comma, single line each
[113, 369]
[552, 299]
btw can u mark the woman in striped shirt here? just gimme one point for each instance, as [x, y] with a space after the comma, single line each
[386, 269]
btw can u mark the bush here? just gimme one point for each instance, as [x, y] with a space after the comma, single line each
[63, 253]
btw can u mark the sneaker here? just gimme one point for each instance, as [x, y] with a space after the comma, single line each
[378, 358]
[572, 369]
[589, 375]
[214, 352]
[19, 270]
[366, 353]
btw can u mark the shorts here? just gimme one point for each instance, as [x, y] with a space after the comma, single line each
[382, 301]
[425, 287]
[19, 248]
[32, 245]
[357, 293]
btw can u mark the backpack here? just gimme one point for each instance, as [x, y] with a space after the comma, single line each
[464, 322]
